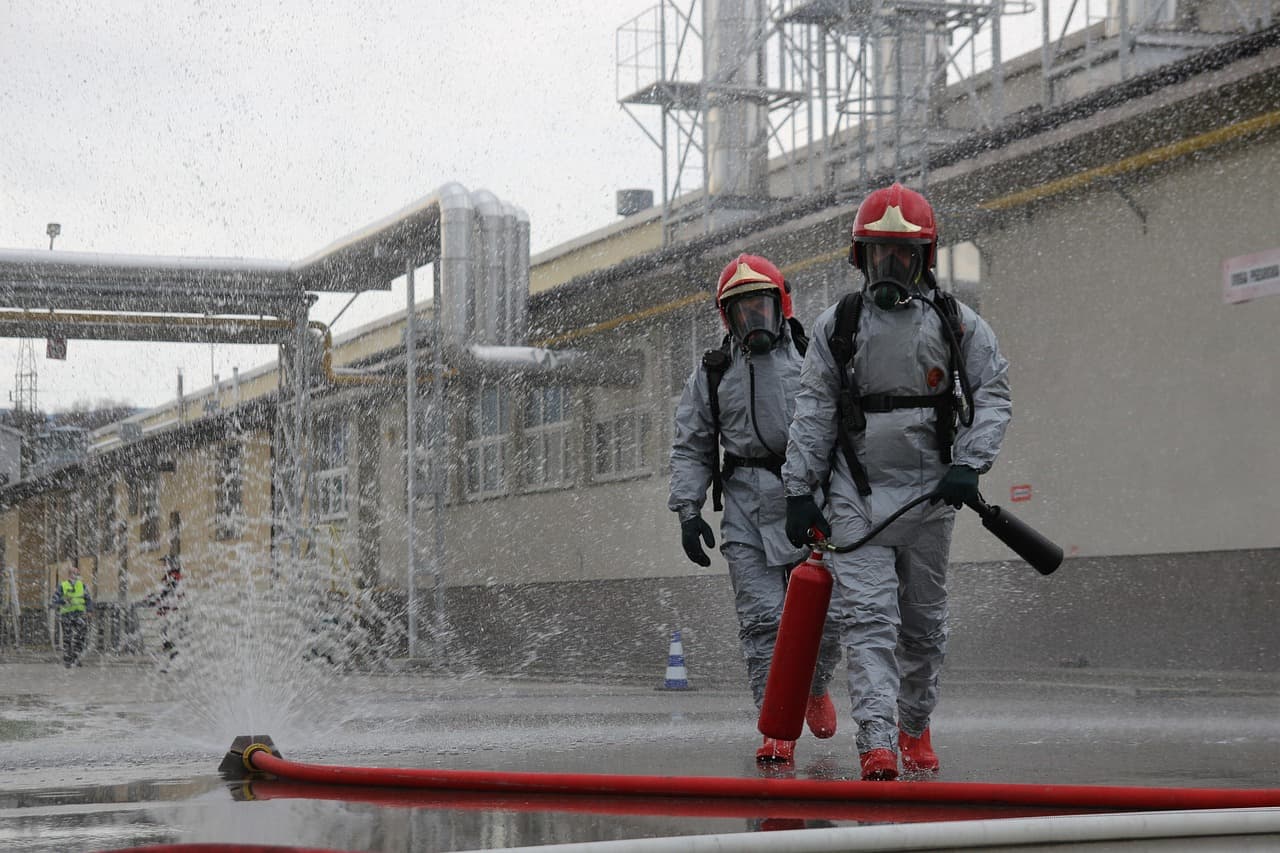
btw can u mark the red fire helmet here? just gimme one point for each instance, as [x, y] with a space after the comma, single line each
[895, 214]
[749, 273]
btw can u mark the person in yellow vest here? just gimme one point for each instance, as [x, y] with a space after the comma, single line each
[74, 608]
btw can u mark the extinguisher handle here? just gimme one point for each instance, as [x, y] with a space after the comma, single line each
[820, 544]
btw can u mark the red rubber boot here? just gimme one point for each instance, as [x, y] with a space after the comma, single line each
[775, 751]
[917, 753]
[820, 716]
[879, 765]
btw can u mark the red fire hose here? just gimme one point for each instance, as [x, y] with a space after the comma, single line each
[259, 757]
[720, 807]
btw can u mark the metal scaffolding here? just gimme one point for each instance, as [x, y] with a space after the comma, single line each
[830, 81]
[831, 93]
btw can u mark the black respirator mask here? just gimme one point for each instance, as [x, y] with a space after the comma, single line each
[893, 271]
[755, 319]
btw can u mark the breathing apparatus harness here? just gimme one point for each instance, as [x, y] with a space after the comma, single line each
[716, 363]
[952, 406]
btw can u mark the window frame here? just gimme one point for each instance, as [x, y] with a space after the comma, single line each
[487, 440]
[541, 433]
[149, 534]
[640, 426]
[331, 445]
[228, 500]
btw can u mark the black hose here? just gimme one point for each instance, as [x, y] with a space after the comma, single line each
[845, 549]
[965, 388]
[751, 372]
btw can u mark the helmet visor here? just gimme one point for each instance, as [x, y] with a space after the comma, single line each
[892, 263]
[757, 312]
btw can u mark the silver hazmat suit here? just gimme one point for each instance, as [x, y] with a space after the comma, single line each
[752, 529]
[890, 597]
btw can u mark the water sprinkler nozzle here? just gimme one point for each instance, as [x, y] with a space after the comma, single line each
[236, 763]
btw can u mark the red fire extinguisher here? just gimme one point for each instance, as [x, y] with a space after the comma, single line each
[795, 652]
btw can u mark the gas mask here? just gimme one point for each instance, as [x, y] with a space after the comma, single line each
[755, 319]
[893, 273]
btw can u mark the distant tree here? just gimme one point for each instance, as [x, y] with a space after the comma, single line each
[91, 415]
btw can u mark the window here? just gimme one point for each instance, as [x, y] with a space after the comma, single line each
[108, 540]
[68, 546]
[229, 491]
[175, 534]
[548, 447]
[688, 339]
[134, 489]
[960, 272]
[149, 505]
[331, 467]
[620, 441]
[488, 423]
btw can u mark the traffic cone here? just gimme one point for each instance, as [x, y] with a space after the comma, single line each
[677, 676]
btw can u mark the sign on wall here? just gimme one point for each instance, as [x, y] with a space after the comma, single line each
[1251, 276]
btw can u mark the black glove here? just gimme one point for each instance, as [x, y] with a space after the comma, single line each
[802, 514]
[691, 530]
[958, 485]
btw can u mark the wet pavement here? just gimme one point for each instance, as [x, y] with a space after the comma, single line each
[113, 754]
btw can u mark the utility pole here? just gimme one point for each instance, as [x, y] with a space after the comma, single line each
[411, 461]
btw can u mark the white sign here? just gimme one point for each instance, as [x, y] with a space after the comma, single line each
[1251, 276]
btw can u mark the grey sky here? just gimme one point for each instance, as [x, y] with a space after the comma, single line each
[270, 129]
[267, 130]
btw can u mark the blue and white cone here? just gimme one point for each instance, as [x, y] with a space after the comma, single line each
[677, 676]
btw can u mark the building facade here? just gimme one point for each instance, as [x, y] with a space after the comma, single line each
[1093, 238]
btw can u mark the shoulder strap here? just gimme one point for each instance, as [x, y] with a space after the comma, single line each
[715, 362]
[848, 315]
[849, 415]
[951, 310]
[798, 335]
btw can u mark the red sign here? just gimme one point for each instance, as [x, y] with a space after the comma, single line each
[1017, 494]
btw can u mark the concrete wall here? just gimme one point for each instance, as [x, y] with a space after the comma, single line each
[1210, 611]
[1145, 407]
[1142, 401]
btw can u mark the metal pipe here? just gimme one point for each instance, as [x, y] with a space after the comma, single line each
[1006, 834]
[411, 443]
[488, 270]
[437, 428]
[736, 130]
[456, 308]
[1046, 59]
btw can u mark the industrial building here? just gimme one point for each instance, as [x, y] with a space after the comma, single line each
[1107, 202]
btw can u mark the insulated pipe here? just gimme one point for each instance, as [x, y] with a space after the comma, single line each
[506, 332]
[382, 249]
[520, 278]
[1019, 833]
[487, 267]
[457, 309]
[261, 758]
[93, 325]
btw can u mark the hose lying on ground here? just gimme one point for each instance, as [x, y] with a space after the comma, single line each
[260, 758]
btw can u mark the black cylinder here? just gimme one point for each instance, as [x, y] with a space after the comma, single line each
[1027, 542]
